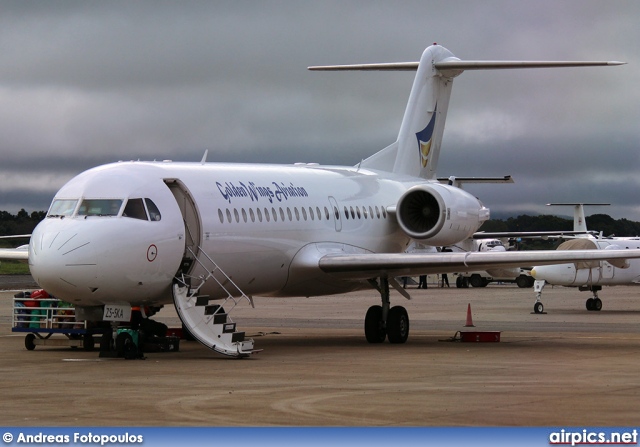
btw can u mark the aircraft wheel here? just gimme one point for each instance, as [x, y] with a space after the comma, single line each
[538, 308]
[597, 304]
[459, 282]
[398, 325]
[590, 304]
[373, 327]
[29, 342]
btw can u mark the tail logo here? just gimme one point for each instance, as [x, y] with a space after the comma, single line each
[424, 140]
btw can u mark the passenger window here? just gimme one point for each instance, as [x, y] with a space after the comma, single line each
[289, 214]
[100, 207]
[266, 214]
[275, 215]
[353, 213]
[281, 214]
[135, 209]
[154, 212]
[228, 215]
[220, 215]
[259, 214]
[236, 215]
[377, 211]
[304, 213]
[319, 213]
[336, 212]
[297, 213]
[346, 213]
[244, 215]
[358, 212]
[252, 215]
[326, 213]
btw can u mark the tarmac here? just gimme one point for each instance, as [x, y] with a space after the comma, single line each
[568, 367]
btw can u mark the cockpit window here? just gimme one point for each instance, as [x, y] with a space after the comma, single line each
[135, 209]
[154, 212]
[99, 207]
[62, 207]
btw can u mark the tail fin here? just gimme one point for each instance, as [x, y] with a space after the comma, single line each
[417, 149]
[579, 221]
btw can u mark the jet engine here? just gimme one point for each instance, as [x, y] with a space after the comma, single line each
[439, 214]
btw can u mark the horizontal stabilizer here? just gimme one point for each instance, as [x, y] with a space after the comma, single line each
[457, 181]
[455, 67]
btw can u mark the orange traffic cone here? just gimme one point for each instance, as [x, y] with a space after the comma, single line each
[469, 320]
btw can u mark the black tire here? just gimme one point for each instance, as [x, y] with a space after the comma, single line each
[459, 282]
[597, 304]
[538, 308]
[523, 281]
[125, 347]
[88, 343]
[29, 342]
[589, 304]
[477, 281]
[398, 325]
[373, 326]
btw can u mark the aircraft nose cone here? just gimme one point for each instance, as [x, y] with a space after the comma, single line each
[61, 259]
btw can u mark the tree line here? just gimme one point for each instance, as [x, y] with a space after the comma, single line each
[20, 223]
[546, 222]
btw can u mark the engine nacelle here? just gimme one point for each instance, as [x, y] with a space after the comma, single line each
[440, 214]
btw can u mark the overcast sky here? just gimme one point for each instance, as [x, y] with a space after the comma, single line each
[85, 83]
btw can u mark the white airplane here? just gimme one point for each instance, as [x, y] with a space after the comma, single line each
[592, 275]
[154, 233]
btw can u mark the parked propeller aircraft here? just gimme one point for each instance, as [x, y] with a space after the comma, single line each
[152, 233]
[592, 275]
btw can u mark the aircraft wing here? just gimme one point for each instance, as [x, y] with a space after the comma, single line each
[15, 254]
[364, 266]
[528, 234]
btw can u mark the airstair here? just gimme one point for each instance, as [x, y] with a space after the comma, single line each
[210, 324]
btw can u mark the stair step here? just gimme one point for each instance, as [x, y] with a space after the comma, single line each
[202, 300]
[237, 337]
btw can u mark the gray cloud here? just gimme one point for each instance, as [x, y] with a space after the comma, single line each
[85, 83]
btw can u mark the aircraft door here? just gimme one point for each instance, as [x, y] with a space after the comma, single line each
[192, 222]
[335, 212]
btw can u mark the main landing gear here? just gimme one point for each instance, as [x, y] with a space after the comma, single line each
[592, 304]
[385, 321]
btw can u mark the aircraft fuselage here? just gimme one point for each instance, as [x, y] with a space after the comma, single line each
[265, 226]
